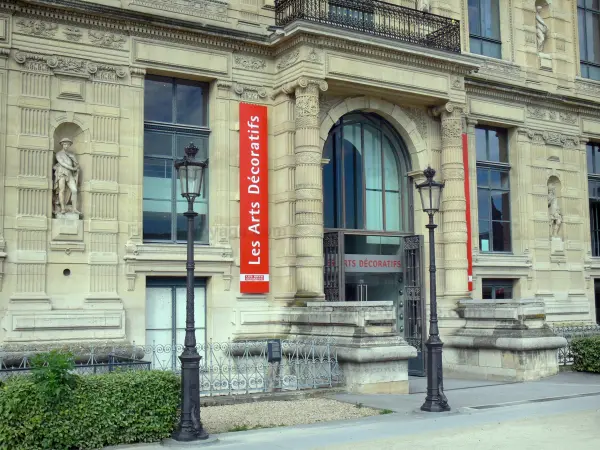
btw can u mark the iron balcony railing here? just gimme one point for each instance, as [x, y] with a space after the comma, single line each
[375, 18]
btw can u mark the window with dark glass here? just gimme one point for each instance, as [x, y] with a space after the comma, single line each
[484, 28]
[355, 14]
[493, 190]
[365, 186]
[500, 289]
[175, 115]
[593, 168]
[589, 38]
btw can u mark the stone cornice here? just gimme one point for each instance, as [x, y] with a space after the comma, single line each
[378, 48]
[531, 97]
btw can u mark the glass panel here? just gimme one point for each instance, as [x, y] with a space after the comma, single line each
[486, 292]
[340, 220]
[593, 37]
[353, 176]
[199, 309]
[490, 14]
[392, 178]
[503, 145]
[491, 49]
[484, 235]
[590, 158]
[159, 310]
[493, 146]
[593, 73]
[501, 236]
[184, 140]
[474, 18]
[503, 292]
[158, 100]
[483, 178]
[481, 144]
[499, 180]
[157, 220]
[483, 204]
[374, 211]
[190, 103]
[200, 223]
[158, 143]
[392, 211]
[372, 151]
[500, 205]
[582, 35]
[329, 194]
[475, 46]
[158, 183]
[203, 192]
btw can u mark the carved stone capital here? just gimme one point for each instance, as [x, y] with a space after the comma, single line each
[449, 108]
[137, 71]
[248, 92]
[301, 83]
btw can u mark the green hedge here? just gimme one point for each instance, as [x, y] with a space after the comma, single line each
[586, 354]
[99, 410]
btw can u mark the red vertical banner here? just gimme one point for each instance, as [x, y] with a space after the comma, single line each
[465, 145]
[254, 200]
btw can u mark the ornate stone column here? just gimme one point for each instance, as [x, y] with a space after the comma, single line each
[308, 187]
[453, 208]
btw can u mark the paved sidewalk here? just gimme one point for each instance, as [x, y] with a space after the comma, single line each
[556, 413]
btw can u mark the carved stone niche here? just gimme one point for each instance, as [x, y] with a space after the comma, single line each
[555, 216]
[67, 224]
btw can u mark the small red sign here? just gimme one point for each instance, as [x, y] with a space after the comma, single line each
[254, 200]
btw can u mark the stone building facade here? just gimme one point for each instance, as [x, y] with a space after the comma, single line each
[131, 83]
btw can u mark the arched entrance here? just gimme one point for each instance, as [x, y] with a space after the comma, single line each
[371, 253]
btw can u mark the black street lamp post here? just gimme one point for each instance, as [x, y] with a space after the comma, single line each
[191, 177]
[431, 193]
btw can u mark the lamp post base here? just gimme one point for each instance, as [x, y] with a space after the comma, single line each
[435, 401]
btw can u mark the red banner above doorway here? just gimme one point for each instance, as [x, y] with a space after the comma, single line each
[254, 200]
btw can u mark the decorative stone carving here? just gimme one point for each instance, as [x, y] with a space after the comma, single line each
[252, 93]
[541, 113]
[556, 217]
[37, 27]
[66, 179]
[541, 30]
[73, 34]
[71, 66]
[106, 39]
[419, 117]
[210, 9]
[423, 5]
[249, 62]
[288, 59]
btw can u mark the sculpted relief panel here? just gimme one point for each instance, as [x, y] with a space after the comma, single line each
[209, 9]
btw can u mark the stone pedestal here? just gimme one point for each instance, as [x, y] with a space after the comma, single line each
[372, 356]
[502, 340]
[557, 246]
[545, 61]
[67, 232]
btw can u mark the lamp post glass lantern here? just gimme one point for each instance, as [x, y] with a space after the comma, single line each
[191, 178]
[436, 401]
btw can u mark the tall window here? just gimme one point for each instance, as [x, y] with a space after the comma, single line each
[493, 190]
[593, 167]
[175, 114]
[365, 182]
[484, 28]
[589, 38]
[165, 318]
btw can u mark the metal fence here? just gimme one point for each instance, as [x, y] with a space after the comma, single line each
[565, 355]
[226, 368]
[376, 18]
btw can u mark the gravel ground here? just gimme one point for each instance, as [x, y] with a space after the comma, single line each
[246, 416]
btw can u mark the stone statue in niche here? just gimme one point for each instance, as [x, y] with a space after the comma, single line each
[541, 30]
[554, 211]
[423, 5]
[66, 179]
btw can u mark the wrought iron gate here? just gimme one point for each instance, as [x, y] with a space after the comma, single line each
[333, 270]
[413, 307]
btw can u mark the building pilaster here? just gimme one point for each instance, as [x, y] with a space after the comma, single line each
[453, 207]
[308, 186]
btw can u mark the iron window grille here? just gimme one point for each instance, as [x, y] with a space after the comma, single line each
[484, 28]
[175, 114]
[588, 12]
[375, 18]
[493, 190]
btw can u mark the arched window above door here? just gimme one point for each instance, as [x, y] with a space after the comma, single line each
[365, 183]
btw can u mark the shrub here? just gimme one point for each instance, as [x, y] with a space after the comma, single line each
[51, 373]
[102, 410]
[586, 354]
